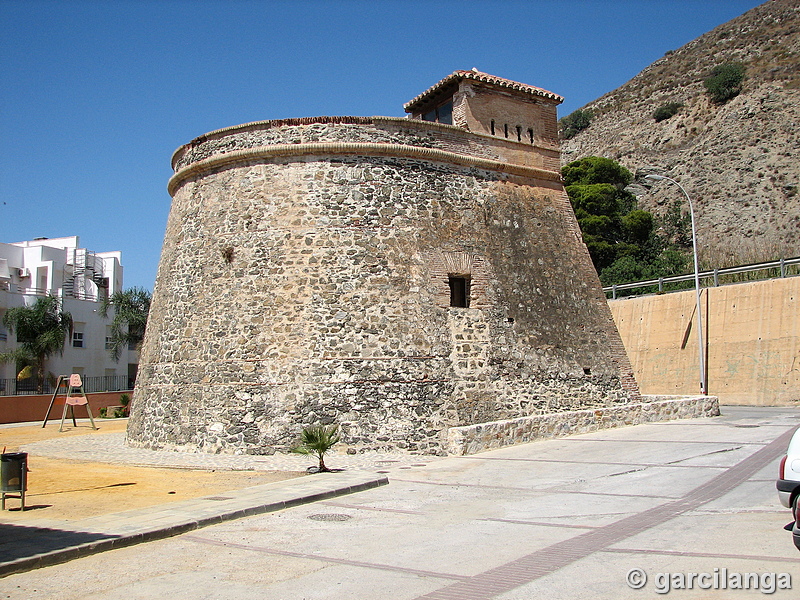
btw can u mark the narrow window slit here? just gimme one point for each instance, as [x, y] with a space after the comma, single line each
[459, 291]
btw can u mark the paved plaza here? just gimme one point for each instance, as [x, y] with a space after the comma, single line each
[589, 516]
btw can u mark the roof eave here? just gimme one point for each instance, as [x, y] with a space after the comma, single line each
[458, 76]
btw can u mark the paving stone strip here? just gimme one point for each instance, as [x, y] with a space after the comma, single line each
[329, 559]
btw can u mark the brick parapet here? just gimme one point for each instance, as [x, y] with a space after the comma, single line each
[356, 149]
[378, 136]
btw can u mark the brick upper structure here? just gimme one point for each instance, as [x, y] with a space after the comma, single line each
[483, 103]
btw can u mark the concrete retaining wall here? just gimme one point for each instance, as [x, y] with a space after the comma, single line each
[752, 339]
[497, 434]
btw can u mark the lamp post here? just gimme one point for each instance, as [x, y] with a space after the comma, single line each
[701, 349]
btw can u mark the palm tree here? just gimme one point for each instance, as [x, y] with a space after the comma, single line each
[317, 440]
[131, 307]
[40, 330]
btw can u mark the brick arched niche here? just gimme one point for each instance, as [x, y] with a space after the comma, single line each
[460, 279]
[305, 278]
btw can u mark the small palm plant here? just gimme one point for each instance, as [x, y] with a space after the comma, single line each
[317, 440]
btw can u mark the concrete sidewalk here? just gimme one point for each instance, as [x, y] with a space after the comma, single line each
[33, 545]
[564, 519]
[29, 541]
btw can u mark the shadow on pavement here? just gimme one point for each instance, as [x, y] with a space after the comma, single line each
[19, 542]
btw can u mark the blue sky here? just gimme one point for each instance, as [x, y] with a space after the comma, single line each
[96, 95]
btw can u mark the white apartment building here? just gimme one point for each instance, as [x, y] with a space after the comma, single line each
[79, 278]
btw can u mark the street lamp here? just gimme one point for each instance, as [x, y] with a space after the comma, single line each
[701, 350]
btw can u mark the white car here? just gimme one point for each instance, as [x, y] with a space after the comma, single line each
[789, 483]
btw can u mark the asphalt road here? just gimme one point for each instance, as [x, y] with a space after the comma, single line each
[692, 504]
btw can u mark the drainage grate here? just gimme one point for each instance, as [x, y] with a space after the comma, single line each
[330, 517]
[217, 498]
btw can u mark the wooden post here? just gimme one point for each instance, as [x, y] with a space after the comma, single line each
[53, 399]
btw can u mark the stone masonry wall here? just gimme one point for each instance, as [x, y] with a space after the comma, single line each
[471, 439]
[304, 289]
[380, 130]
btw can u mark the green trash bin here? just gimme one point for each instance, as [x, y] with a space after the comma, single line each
[14, 476]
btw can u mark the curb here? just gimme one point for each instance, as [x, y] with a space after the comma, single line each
[128, 528]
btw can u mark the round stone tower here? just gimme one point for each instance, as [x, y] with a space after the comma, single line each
[394, 276]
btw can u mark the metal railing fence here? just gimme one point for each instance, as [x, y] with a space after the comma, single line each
[781, 268]
[30, 386]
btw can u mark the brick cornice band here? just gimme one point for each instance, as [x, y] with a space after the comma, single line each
[355, 149]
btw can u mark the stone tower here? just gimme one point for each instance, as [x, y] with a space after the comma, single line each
[394, 276]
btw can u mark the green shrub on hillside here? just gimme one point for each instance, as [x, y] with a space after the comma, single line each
[574, 123]
[626, 243]
[725, 82]
[595, 169]
[665, 111]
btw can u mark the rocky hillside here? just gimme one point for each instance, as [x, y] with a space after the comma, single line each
[740, 162]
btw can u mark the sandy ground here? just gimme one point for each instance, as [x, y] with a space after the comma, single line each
[74, 489]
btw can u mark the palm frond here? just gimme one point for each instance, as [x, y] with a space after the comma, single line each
[17, 355]
[318, 440]
[130, 310]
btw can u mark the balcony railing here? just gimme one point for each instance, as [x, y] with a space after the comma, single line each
[103, 383]
[67, 290]
[24, 290]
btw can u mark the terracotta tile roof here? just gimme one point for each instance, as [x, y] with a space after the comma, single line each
[458, 76]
